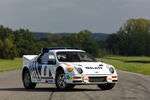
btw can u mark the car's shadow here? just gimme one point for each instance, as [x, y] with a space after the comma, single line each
[47, 90]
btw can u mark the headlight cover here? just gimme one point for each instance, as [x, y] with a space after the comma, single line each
[79, 70]
[111, 70]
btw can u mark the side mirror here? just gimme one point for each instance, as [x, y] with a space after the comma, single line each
[52, 62]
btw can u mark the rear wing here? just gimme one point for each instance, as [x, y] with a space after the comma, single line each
[27, 59]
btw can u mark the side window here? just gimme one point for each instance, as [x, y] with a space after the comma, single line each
[51, 56]
[46, 57]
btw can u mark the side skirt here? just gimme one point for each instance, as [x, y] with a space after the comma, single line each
[48, 81]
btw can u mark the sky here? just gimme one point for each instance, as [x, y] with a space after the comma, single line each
[105, 16]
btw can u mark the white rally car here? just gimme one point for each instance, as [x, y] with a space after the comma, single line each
[66, 67]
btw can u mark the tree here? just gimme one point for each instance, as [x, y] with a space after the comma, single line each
[25, 42]
[132, 38]
[82, 40]
[7, 47]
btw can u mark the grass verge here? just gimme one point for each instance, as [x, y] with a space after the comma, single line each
[132, 64]
[7, 65]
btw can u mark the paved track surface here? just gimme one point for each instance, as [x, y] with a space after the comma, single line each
[131, 86]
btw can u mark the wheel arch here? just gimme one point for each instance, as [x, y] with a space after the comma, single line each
[59, 69]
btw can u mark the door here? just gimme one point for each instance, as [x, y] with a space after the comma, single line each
[46, 68]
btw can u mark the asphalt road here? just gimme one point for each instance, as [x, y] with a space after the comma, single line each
[131, 86]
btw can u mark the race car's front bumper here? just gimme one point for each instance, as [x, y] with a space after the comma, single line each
[91, 79]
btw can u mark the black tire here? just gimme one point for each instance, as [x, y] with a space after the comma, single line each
[107, 86]
[60, 82]
[27, 80]
[71, 86]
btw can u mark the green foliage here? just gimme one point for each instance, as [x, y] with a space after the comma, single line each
[105, 52]
[16, 43]
[132, 39]
[82, 40]
[25, 42]
[7, 47]
[21, 42]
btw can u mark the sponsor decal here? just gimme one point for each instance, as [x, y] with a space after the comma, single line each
[50, 81]
[68, 77]
[94, 67]
[100, 65]
[70, 69]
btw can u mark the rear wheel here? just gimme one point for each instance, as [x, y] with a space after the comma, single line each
[61, 83]
[27, 80]
[107, 86]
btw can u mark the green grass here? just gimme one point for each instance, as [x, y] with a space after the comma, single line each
[6, 65]
[132, 64]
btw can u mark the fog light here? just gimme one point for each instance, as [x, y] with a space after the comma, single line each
[109, 79]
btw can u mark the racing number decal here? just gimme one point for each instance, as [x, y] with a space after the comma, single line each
[46, 72]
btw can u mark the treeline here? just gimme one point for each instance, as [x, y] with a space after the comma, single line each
[82, 40]
[21, 42]
[132, 39]
[16, 43]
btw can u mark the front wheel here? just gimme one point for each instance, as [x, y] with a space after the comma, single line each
[107, 86]
[27, 80]
[61, 83]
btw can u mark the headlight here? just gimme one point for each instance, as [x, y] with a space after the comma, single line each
[111, 70]
[80, 71]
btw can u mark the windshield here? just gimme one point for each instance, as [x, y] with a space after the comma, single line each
[75, 57]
